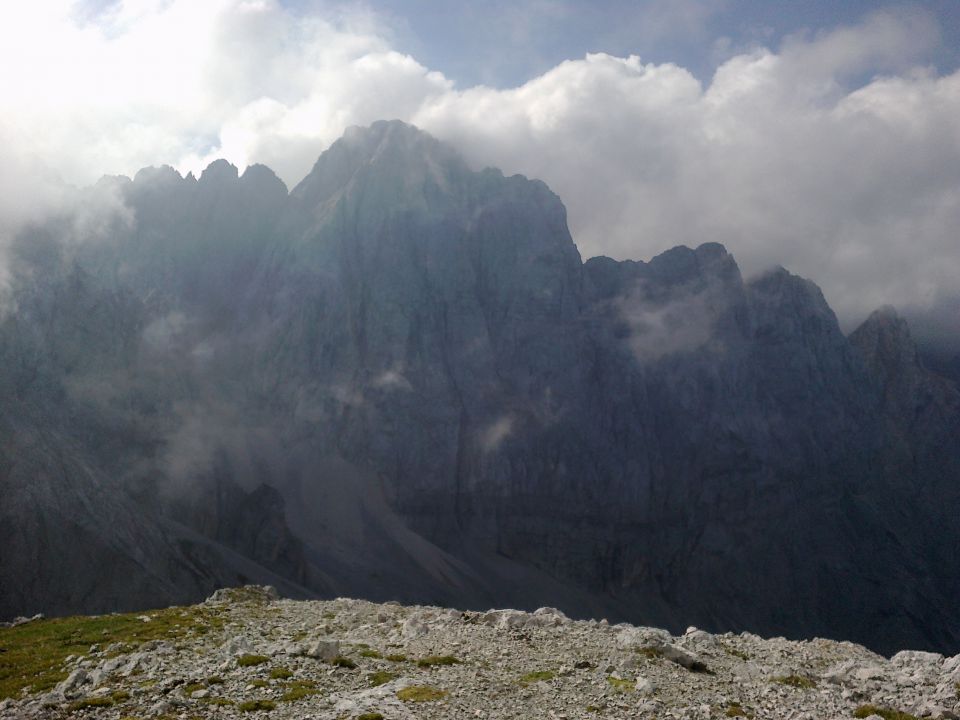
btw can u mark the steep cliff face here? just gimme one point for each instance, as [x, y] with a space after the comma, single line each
[88, 465]
[921, 415]
[400, 381]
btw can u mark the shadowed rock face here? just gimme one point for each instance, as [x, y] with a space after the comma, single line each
[401, 381]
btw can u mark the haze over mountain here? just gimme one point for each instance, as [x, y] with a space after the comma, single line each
[819, 136]
[400, 381]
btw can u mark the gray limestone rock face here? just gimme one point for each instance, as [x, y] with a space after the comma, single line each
[400, 381]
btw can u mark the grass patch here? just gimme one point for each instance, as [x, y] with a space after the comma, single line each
[259, 683]
[421, 693]
[381, 677]
[435, 660]
[218, 701]
[370, 716]
[252, 660]
[621, 684]
[297, 693]
[193, 687]
[651, 652]
[253, 705]
[865, 711]
[214, 680]
[735, 709]
[734, 652]
[396, 657]
[32, 654]
[298, 690]
[281, 673]
[368, 653]
[90, 702]
[537, 676]
[801, 682]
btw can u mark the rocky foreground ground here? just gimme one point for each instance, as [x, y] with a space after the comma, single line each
[245, 654]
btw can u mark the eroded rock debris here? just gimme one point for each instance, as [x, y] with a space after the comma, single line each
[261, 656]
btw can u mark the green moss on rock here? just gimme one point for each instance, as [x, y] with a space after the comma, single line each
[421, 693]
[435, 660]
[252, 660]
[865, 711]
[255, 705]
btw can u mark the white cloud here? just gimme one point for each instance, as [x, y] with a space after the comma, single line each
[679, 323]
[858, 190]
[182, 82]
[776, 157]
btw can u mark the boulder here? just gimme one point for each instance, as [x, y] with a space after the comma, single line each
[323, 650]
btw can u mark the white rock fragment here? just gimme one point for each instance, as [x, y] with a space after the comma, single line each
[549, 617]
[74, 681]
[382, 699]
[323, 649]
[413, 628]
[916, 658]
[683, 658]
[639, 637]
[238, 645]
[504, 619]
[870, 672]
[645, 686]
[841, 673]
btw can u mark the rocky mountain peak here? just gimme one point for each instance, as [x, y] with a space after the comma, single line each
[403, 164]
[789, 306]
[915, 398]
[886, 344]
[157, 177]
[262, 179]
[219, 172]
[682, 264]
[387, 140]
[679, 268]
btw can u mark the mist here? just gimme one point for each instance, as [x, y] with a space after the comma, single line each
[834, 153]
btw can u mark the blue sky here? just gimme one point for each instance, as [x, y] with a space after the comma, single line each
[503, 43]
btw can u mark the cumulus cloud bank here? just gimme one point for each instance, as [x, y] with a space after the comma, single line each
[836, 155]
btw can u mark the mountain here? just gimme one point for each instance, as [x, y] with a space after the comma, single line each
[400, 381]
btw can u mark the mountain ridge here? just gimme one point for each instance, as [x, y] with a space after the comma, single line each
[447, 404]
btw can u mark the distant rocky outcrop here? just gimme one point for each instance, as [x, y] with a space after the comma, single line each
[400, 381]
